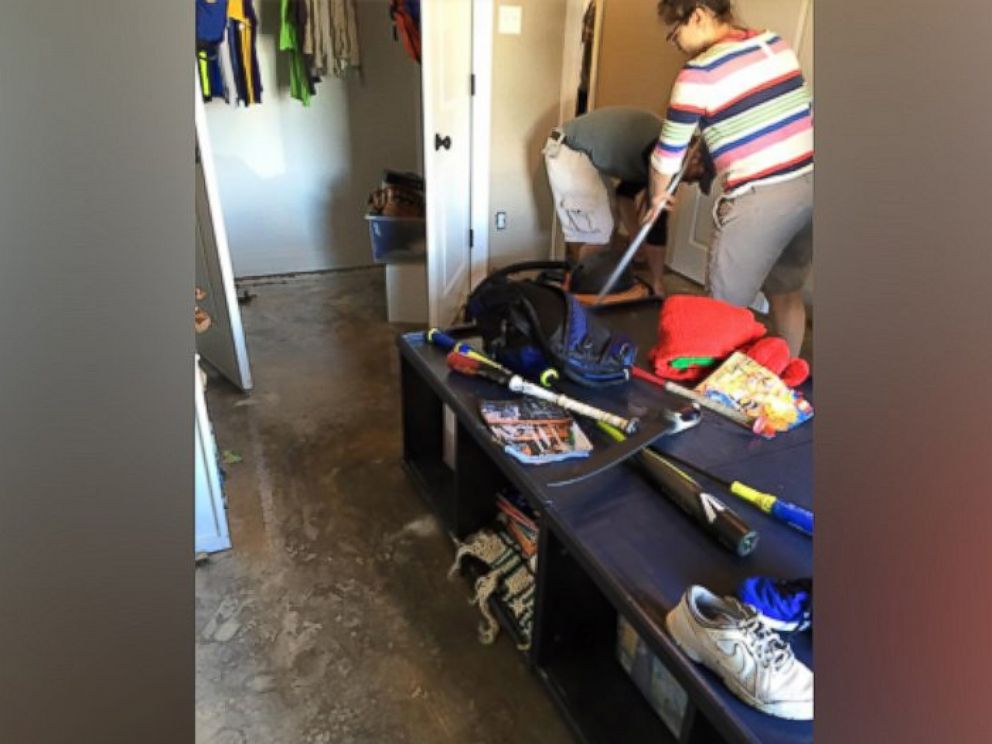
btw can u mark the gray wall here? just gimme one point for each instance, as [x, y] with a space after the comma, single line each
[96, 380]
[527, 73]
[293, 180]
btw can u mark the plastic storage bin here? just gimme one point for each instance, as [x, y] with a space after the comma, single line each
[397, 239]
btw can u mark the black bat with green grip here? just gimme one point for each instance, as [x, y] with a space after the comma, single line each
[716, 519]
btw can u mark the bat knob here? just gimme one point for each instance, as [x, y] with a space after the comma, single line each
[632, 426]
[747, 544]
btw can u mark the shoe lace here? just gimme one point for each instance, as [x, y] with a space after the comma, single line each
[769, 648]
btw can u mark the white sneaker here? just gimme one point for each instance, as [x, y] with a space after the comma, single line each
[753, 661]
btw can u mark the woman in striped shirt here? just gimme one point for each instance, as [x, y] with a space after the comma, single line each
[743, 89]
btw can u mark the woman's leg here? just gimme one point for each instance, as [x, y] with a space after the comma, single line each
[788, 314]
[763, 241]
[745, 247]
[784, 285]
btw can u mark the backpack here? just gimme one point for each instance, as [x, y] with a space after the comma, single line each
[531, 324]
[405, 15]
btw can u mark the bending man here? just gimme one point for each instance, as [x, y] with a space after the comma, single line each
[584, 157]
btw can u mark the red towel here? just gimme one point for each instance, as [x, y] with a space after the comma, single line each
[690, 326]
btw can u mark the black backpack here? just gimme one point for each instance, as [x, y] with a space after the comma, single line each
[531, 324]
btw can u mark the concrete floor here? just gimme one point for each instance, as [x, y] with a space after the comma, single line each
[331, 620]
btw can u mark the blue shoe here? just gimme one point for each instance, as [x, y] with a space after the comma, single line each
[786, 606]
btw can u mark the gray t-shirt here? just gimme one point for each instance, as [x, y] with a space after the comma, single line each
[615, 138]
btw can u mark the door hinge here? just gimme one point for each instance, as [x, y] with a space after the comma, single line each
[471, 238]
[471, 79]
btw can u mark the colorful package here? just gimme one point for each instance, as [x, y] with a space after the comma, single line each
[743, 384]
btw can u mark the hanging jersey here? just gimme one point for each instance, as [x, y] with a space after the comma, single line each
[300, 86]
[242, 30]
[751, 103]
[406, 25]
[211, 20]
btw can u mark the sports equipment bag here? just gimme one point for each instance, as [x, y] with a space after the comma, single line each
[530, 324]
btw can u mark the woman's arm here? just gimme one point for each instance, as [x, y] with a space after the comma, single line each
[685, 108]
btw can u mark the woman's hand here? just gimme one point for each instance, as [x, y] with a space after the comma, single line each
[651, 208]
[657, 197]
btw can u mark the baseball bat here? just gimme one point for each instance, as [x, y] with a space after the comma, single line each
[445, 342]
[786, 512]
[705, 401]
[472, 367]
[717, 519]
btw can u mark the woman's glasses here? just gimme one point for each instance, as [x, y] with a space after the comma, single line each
[670, 37]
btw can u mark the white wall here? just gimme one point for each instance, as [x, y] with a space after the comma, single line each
[527, 72]
[293, 180]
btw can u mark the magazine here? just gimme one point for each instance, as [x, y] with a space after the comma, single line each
[534, 431]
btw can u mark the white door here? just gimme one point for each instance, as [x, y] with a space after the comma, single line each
[446, 47]
[692, 223]
[223, 343]
[210, 514]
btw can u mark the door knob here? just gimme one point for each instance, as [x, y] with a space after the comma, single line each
[439, 143]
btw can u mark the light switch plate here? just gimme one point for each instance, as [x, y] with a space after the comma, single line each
[510, 19]
[501, 220]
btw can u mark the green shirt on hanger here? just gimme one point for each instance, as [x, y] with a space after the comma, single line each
[299, 77]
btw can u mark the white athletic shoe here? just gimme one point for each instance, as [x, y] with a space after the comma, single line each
[753, 661]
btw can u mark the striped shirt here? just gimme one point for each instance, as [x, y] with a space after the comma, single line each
[747, 95]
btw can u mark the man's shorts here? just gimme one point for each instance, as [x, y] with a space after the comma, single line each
[581, 193]
[763, 241]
